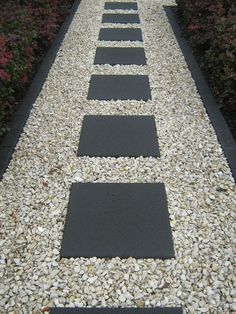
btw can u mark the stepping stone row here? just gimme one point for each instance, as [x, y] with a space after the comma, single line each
[112, 218]
[122, 87]
[118, 219]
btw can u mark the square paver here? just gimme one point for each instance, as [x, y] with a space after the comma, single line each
[121, 18]
[117, 219]
[125, 56]
[118, 136]
[158, 310]
[120, 34]
[121, 6]
[119, 87]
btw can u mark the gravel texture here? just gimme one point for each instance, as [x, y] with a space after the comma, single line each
[35, 189]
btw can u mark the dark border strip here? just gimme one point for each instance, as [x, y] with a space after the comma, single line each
[119, 310]
[10, 140]
[223, 133]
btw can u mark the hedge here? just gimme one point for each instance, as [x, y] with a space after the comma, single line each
[27, 28]
[211, 30]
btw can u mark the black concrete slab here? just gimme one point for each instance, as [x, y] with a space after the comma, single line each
[156, 310]
[121, 6]
[120, 18]
[120, 34]
[118, 136]
[119, 87]
[117, 219]
[116, 55]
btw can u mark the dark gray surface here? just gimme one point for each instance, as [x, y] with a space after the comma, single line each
[120, 34]
[116, 55]
[120, 18]
[223, 133]
[156, 310]
[10, 140]
[122, 87]
[121, 6]
[5, 156]
[117, 219]
[118, 136]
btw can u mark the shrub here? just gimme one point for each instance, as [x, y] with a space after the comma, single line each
[211, 29]
[27, 28]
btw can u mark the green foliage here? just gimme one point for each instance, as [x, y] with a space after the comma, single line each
[27, 28]
[211, 30]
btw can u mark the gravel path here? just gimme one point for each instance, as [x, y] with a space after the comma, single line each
[35, 189]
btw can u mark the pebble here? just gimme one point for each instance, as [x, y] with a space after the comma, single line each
[35, 189]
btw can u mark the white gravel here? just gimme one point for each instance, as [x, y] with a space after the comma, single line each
[35, 190]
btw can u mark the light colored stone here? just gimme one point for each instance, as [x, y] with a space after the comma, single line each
[35, 189]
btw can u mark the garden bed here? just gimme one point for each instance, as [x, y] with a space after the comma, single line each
[22, 48]
[210, 31]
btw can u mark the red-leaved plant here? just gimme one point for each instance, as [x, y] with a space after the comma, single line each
[211, 30]
[27, 28]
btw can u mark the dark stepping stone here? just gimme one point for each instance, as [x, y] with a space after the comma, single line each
[124, 56]
[157, 310]
[118, 136]
[117, 219]
[121, 6]
[121, 18]
[119, 87]
[120, 34]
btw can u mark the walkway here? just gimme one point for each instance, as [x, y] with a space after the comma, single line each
[118, 193]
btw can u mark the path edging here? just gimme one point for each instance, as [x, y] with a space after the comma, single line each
[10, 140]
[222, 130]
